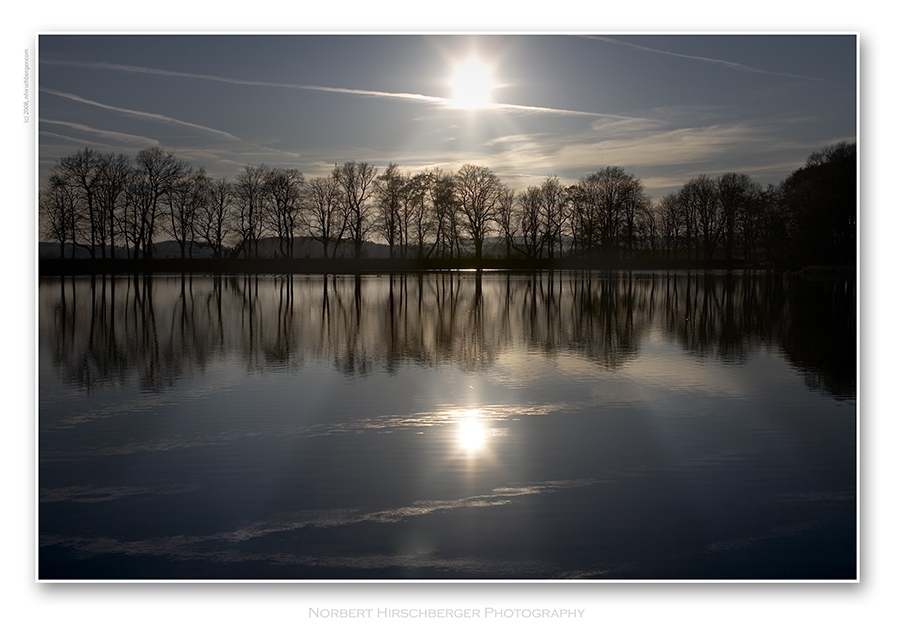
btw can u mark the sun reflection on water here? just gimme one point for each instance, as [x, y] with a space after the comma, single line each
[472, 432]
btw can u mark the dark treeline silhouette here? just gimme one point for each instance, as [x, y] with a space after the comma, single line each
[102, 330]
[110, 206]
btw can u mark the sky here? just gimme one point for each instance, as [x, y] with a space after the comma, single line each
[666, 108]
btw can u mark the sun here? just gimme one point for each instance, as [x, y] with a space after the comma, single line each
[472, 84]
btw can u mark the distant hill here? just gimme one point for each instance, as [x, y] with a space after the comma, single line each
[270, 247]
[165, 249]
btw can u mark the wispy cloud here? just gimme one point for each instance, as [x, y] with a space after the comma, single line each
[140, 114]
[119, 137]
[732, 65]
[417, 97]
[685, 150]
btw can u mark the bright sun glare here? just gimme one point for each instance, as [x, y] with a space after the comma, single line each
[472, 84]
[471, 432]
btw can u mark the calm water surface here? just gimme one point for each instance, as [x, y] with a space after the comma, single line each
[447, 425]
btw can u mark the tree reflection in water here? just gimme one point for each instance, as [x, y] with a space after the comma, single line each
[103, 331]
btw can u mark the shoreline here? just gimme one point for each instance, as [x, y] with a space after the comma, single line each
[87, 266]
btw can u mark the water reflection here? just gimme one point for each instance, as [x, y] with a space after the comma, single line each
[471, 432]
[152, 331]
[447, 424]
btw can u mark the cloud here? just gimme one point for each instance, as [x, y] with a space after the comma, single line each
[756, 149]
[684, 145]
[140, 114]
[615, 127]
[732, 65]
[124, 138]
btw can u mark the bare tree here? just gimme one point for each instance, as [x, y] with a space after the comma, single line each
[416, 212]
[478, 191]
[648, 227]
[776, 225]
[553, 207]
[700, 198]
[507, 219]
[390, 187]
[530, 227]
[113, 179]
[357, 181]
[604, 210]
[688, 209]
[58, 208]
[669, 212]
[250, 203]
[284, 205]
[735, 198]
[156, 172]
[130, 219]
[215, 216]
[326, 219]
[186, 200]
[635, 205]
[445, 207]
[749, 220]
[585, 222]
[82, 172]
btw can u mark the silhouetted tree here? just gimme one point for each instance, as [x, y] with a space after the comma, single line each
[507, 219]
[647, 225]
[775, 227]
[531, 235]
[749, 220]
[57, 204]
[670, 215]
[634, 205]
[156, 172]
[478, 191]
[184, 200]
[821, 200]
[284, 189]
[389, 187]
[357, 181]
[445, 207]
[250, 201]
[417, 216]
[736, 198]
[98, 199]
[215, 218]
[82, 172]
[554, 208]
[114, 174]
[585, 218]
[605, 205]
[700, 206]
[326, 216]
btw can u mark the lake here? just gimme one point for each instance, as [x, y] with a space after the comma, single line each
[448, 425]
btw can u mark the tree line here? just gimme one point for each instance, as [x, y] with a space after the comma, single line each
[115, 205]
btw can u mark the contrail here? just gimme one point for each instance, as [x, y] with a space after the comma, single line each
[122, 137]
[328, 89]
[732, 65]
[138, 113]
